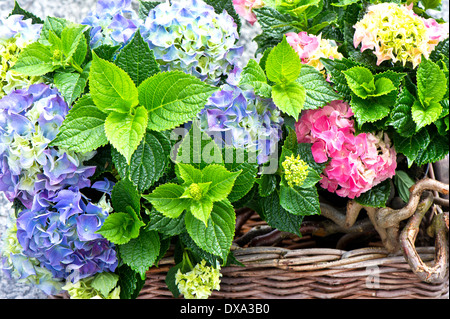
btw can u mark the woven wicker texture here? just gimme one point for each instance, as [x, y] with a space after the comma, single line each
[274, 272]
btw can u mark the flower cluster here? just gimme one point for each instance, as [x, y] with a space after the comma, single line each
[358, 162]
[244, 9]
[189, 36]
[15, 35]
[311, 48]
[396, 33]
[113, 23]
[243, 119]
[295, 170]
[29, 121]
[199, 282]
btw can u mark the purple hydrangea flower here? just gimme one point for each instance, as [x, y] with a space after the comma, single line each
[113, 23]
[189, 36]
[62, 237]
[23, 30]
[243, 119]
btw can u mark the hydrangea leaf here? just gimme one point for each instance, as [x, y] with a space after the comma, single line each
[141, 253]
[120, 227]
[147, 162]
[283, 64]
[105, 282]
[253, 75]
[137, 60]
[111, 87]
[73, 40]
[72, 85]
[369, 110]
[126, 130]
[130, 282]
[436, 150]
[167, 200]
[376, 196]
[401, 116]
[217, 236]
[35, 60]
[267, 184]
[173, 98]
[411, 146]
[188, 173]
[83, 129]
[165, 225]
[299, 200]
[201, 209]
[145, 7]
[403, 183]
[424, 115]
[360, 80]
[318, 90]
[335, 68]
[52, 24]
[221, 179]
[124, 194]
[431, 81]
[289, 98]
[26, 15]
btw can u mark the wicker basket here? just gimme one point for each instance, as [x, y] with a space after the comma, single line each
[311, 273]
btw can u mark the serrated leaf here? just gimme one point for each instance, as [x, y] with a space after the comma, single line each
[120, 227]
[376, 196]
[137, 60]
[299, 200]
[318, 90]
[105, 282]
[52, 24]
[71, 37]
[173, 98]
[165, 225]
[145, 7]
[83, 129]
[424, 115]
[403, 183]
[431, 81]
[222, 181]
[411, 146]
[111, 87]
[217, 236]
[356, 78]
[201, 209]
[253, 76]
[141, 253]
[166, 200]
[369, 110]
[289, 98]
[401, 117]
[188, 173]
[26, 15]
[274, 23]
[436, 150]
[335, 68]
[35, 60]
[147, 163]
[72, 85]
[267, 184]
[124, 194]
[130, 282]
[283, 64]
[126, 130]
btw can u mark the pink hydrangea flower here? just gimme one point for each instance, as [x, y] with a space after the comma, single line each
[244, 9]
[357, 162]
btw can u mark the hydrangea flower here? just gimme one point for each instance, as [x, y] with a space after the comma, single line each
[358, 162]
[394, 32]
[63, 238]
[311, 48]
[190, 36]
[29, 120]
[113, 23]
[244, 9]
[199, 282]
[295, 170]
[15, 34]
[243, 119]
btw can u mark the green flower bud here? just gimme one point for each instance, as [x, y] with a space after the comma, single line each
[295, 170]
[195, 191]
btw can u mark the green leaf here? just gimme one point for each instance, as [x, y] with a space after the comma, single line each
[436, 150]
[83, 129]
[335, 68]
[130, 282]
[145, 7]
[52, 24]
[299, 200]
[222, 181]
[111, 87]
[401, 116]
[201, 209]
[267, 184]
[173, 98]
[383, 86]
[430, 4]
[124, 194]
[166, 200]
[357, 77]
[411, 146]
[26, 15]
[147, 163]
[344, 3]
[137, 60]
[105, 282]
[431, 81]
[141, 253]
[165, 225]
[253, 76]
[289, 98]
[424, 115]
[119, 228]
[71, 37]
[72, 85]
[318, 90]
[283, 64]
[188, 173]
[35, 60]
[125, 131]
[217, 236]
[376, 196]
[369, 110]
[403, 183]
[198, 149]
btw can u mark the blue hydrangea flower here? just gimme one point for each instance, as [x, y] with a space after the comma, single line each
[189, 36]
[242, 119]
[23, 31]
[62, 237]
[29, 120]
[113, 23]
